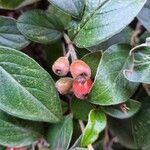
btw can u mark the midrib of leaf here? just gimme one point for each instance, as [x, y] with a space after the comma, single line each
[120, 72]
[113, 83]
[37, 101]
[91, 15]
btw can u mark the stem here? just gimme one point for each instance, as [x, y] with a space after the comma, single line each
[134, 38]
[64, 49]
[71, 48]
[82, 127]
[106, 138]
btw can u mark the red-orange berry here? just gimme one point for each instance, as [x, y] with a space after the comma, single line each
[82, 87]
[61, 66]
[80, 68]
[64, 85]
[16, 148]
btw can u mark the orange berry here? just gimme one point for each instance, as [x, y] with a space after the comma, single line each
[61, 66]
[64, 85]
[80, 68]
[82, 87]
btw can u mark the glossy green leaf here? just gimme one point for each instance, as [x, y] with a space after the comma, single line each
[122, 37]
[17, 132]
[139, 71]
[59, 135]
[64, 18]
[103, 19]
[93, 59]
[110, 86]
[122, 130]
[80, 109]
[40, 26]
[134, 133]
[27, 90]
[96, 123]
[72, 7]
[10, 35]
[144, 15]
[116, 112]
[13, 4]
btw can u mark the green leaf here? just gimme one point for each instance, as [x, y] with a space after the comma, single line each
[80, 109]
[139, 71]
[17, 132]
[93, 59]
[96, 123]
[64, 18]
[122, 37]
[110, 86]
[144, 15]
[134, 133]
[122, 129]
[72, 7]
[10, 35]
[103, 19]
[45, 31]
[116, 112]
[13, 4]
[59, 135]
[27, 90]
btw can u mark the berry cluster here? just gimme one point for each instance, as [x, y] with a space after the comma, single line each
[80, 83]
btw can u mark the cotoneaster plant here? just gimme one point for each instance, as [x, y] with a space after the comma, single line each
[74, 74]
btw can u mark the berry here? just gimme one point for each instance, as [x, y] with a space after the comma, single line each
[82, 87]
[64, 85]
[80, 68]
[16, 148]
[61, 66]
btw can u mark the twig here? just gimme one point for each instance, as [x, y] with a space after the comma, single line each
[71, 48]
[106, 138]
[136, 32]
[82, 127]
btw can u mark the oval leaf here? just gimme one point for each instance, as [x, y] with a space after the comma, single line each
[144, 15]
[139, 71]
[134, 132]
[27, 90]
[59, 135]
[40, 26]
[72, 7]
[7, 4]
[122, 37]
[83, 108]
[110, 86]
[10, 35]
[96, 123]
[93, 59]
[103, 19]
[116, 112]
[17, 132]
[64, 18]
